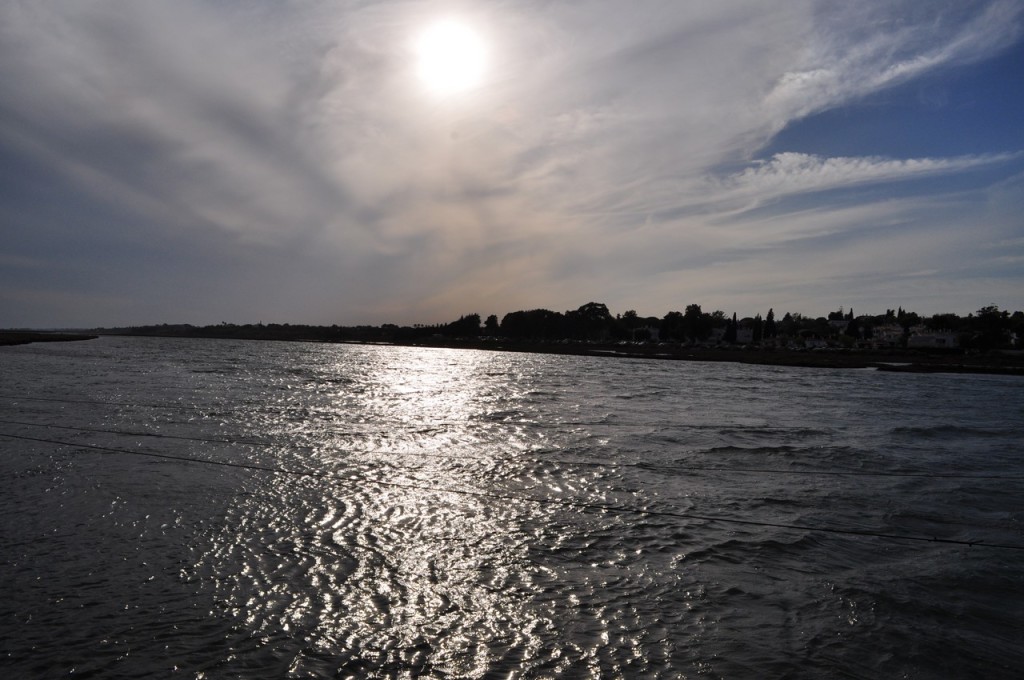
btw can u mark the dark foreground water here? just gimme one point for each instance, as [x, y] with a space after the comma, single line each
[448, 522]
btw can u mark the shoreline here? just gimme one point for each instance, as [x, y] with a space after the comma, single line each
[10, 338]
[896, 360]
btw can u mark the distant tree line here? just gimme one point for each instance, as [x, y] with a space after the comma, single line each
[988, 328]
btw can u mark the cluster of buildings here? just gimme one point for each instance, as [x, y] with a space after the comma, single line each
[879, 337]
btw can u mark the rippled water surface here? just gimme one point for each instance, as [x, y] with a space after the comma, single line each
[219, 509]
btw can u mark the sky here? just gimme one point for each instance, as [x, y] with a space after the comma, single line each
[288, 162]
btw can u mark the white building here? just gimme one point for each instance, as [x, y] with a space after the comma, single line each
[933, 340]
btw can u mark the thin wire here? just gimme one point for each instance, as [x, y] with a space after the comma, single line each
[215, 408]
[182, 407]
[580, 463]
[530, 499]
[208, 440]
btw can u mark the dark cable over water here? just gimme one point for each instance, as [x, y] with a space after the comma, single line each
[530, 499]
[646, 466]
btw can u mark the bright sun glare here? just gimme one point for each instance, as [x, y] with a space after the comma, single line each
[450, 57]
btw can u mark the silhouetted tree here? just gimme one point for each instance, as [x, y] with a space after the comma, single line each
[943, 322]
[627, 324]
[592, 321]
[730, 329]
[535, 324]
[491, 325]
[758, 329]
[696, 324]
[466, 326]
[907, 319]
[991, 327]
[790, 324]
[671, 327]
[770, 330]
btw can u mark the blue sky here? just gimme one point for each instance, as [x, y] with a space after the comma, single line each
[263, 161]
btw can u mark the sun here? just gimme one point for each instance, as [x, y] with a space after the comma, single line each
[451, 57]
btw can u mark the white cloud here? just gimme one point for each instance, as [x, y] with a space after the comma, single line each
[791, 173]
[859, 48]
[580, 169]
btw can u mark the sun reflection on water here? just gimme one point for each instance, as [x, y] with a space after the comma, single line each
[371, 575]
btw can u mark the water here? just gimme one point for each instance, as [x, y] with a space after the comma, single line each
[448, 520]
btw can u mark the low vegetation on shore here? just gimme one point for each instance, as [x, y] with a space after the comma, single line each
[985, 341]
[25, 337]
[988, 329]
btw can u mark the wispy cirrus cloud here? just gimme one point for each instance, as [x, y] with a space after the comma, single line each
[859, 48]
[612, 154]
[790, 173]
